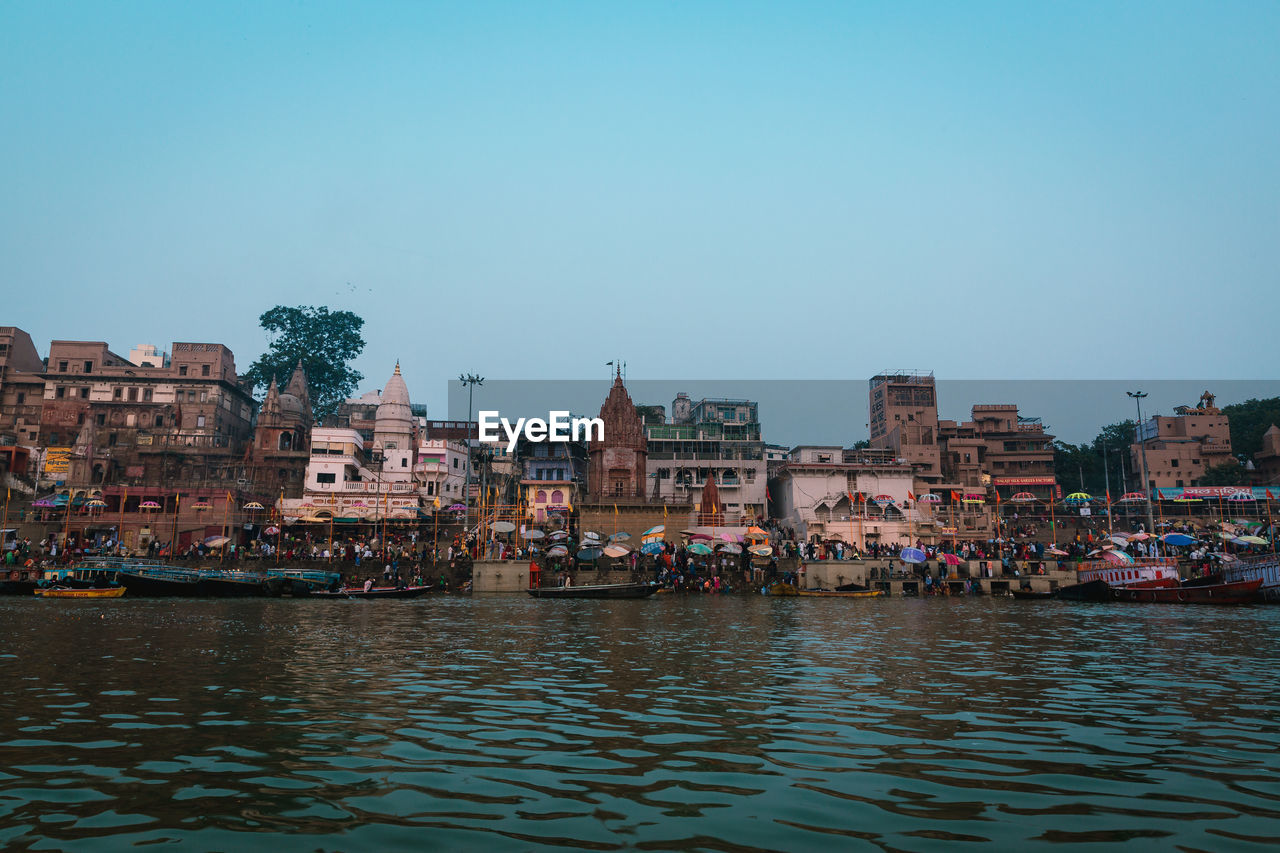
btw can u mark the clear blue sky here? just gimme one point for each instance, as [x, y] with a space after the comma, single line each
[731, 190]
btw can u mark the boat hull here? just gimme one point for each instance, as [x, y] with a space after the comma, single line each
[835, 593]
[149, 586]
[113, 592]
[376, 592]
[613, 590]
[1088, 591]
[1031, 595]
[1240, 592]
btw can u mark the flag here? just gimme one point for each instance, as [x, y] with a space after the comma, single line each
[955, 496]
[910, 496]
[437, 503]
[615, 509]
[997, 496]
[767, 496]
[1108, 497]
[664, 511]
[1269, 495]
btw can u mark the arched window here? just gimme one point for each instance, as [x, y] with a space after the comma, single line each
[540, 497]
[286, 441]
[557, 497]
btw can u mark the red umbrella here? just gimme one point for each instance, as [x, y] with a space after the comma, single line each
[951, 559]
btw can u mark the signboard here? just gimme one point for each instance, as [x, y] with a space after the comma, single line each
[1084, 510]
[1025, 481]
[57, 460]
[1216, 492]
[950, 531]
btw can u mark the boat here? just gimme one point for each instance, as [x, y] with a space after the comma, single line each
[1265, 568]
[222, 583]
[601, 590]
[1237, 592]
[779, 588]
[1097, 579]
[79, 592]
[1034, 595]
[1094, 590]
[840, 593]
[375, 592]
[160, 583]
[296, 583]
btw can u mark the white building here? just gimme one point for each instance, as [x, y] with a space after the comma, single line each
[399, 474]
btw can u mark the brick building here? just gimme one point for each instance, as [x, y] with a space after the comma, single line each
[1182, 446]
[1000, 448]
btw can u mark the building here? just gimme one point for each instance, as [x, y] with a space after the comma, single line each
[397, 474]
[618, 464]
[716, 439]
[903, 408]
[106, 420]
[1000, 449]
[554, 477]
[1181, 447]
[1267, 460]
[148, 355]
[21, 393]
[855, 495]
[282, 435]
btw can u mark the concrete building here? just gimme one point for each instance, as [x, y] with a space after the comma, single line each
[1000, 449]
[106, 420]
[710, 438]
[903, 407]
[554, 478]
[1267, 460]
[1181, 447]
[21, 392]
[148, 355]
[856, 496]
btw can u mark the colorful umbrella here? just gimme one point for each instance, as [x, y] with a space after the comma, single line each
[148, 505]
[590, 554]
[699, 548]
[1057, 552]
[1131, 497]
[620, 536]
[272, 530]
[913, 555]
[216, 541]
[756, 534]
[883, 500]
[557, 551]
[700, 537]
[1023, 497]
[762, 551]
[652, 547]
[1241, 496]
[656, 530]
[253, 506]
[730, 548]
[201, 505]
[1078, 498]
[616, 551]
[730, 537]
[43, 503]
[1254, 540]
[457, 508]
[503, 527]
[533, 534]
[96, 503]
[929, 498]
[1178, 540]
[951, 559]
[1120, 558]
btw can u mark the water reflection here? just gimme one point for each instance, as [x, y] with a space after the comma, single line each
[722, 723]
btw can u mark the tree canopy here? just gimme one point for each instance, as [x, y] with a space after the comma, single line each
[1226, 474]
[1249, 420]
[1075, 462]
[324, 341]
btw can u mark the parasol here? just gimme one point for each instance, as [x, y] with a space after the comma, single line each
[951, 559]
[762, 551]
[929, 498]
[620, 536]
[503, 527]
[1023, 497]
[589, 554]
[730, 548]
[699, 548]
[1078, 498]
[272, 530]
[616, 551]
[216, 541]
[557, 551]
[913, 555]
[656, 530]
[533, 534]
[1177, 539]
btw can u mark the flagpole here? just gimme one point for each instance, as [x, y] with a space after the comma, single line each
[120, 527]
[1271, 531]
[279, 526]
[226, 509]
[5, 525]
[173, 536]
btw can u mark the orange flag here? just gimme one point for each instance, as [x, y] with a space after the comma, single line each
[955, 496]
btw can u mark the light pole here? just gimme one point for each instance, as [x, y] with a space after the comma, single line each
[470, 380]
[1142, 446]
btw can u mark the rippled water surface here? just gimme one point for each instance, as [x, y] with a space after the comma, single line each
[719, 723]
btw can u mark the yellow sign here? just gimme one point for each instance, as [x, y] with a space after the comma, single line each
[57, 460]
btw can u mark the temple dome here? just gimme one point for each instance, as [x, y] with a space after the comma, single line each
[394, 414]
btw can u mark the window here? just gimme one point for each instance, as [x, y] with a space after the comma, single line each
[204, 396]
[199, 420]
[1173, 463]
[182, 370]
[159, 420]
[117, 393]
[111, 440]
[326, 478]
[1178, 484]
[146, 395]
[62, 367]
[133, 395]
[59, 392]
[88, 367]
[431, 488]
[204, 370]
[191, 396]
[84, 393]
[404, 463]
[101, 420]
[22, 398]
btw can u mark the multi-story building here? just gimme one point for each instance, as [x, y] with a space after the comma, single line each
[710, 438]
[903, 406]
[21, 391]
[618, 462]
[1181, 447]
[106, 420]
[1267, 460]
[281, 435]
[554, 476]
[1000, 449]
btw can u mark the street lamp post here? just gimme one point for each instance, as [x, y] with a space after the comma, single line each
[1142, 446]
[470, 380]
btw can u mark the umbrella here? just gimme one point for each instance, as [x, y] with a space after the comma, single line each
[913, 555]
[1253, 540]
[148, 505]
[656, 530]
[1130, 497]
[590, 535]
[951, 559]
[762, 551]
[620, 536]
[730, 548]
[730, 537]
[457, 508]
[253, 506]
[700, 537]
[1120, 558]
[1225, 535]
[503, 527]
[590, 554]
[1177, 539]
[557, 551]
[216, 541]
[43, 503]
[272, 530]
[616, 551]
[975, 498]
[756, 534]
[1057, 552]
[1023, 497]
[1119, 539]
[557, 535]
[533, 534]
[1078, 498]
[699, 548]
[96, 503]
[1241, 496]
[652, 547]
[883, 499]
[1140, 537]
[929, 498]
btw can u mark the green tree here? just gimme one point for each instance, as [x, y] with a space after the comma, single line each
[1226, 474]
[324, 341]
[1249, 420]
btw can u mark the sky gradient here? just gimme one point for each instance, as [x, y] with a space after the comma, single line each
[736, 190]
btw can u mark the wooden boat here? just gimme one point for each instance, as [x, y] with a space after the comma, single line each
[1095, 590]
[74, 592]
[229, 584]
[603, 590]
[151, 583]
[837, 593]
[1238, 592]
[1265, 568]
[781, 589]
[375, 592]
[1033, 595]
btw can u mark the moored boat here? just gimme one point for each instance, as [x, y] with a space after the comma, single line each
[375, 592]
[1034, 595]
[603, 590]
[1238, 592]
[1265, 569]
[838, 593]
[157, 583]
[80, 592]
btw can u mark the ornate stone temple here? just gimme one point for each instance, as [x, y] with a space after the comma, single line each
[617, 464]
[710, 508]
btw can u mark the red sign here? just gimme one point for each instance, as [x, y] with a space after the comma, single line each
[1024, 481]
[1213, 491]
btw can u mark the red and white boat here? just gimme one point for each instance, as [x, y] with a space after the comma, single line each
[1265, 569]
[1146, 574]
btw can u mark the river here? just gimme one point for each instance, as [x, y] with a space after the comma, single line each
[717, 723]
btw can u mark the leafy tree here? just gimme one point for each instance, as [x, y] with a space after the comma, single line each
[861, 444]
[1226, 474]
[324, 341]
[1249, 420]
